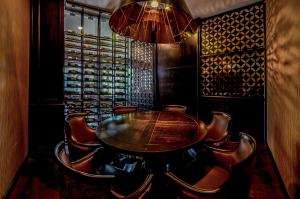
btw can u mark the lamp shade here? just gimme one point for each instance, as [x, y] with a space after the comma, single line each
[152, 21]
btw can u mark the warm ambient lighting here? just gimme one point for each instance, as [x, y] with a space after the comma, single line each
[154, 4]
[152, 21]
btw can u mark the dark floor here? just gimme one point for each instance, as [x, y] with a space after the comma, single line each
[38, 180]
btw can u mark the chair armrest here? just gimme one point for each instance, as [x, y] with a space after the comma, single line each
[74, 115]
[222, 149]
[74, 140]
[211, 140]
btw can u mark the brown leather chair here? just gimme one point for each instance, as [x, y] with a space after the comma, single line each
[86, 178]
[211, 185]
[74, 182]
[80, 138]
[240, 161]
[229, 167]
[238, 158]
[175, 108]
[118, 110]
[217, 130]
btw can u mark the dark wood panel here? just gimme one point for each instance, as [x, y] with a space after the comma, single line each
[46, 127]
[177, 74]
[47, 52]
[46, 110]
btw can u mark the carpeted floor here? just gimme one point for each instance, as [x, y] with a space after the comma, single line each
[38, 179]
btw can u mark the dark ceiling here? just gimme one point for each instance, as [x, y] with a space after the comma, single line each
[197, 8]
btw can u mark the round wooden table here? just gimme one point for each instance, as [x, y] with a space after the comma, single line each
[154, 135]
[151, 132]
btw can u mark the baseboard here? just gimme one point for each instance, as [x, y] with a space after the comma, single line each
[277, 173]
[15, 179]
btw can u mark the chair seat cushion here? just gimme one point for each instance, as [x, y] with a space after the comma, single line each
[214, 179]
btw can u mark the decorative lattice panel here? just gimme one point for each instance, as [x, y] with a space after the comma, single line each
[142, 70]
[232, 53]
[233, 75]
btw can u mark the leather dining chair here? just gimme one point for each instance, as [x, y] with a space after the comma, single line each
[118, 110]
[217, 130]
[90, 178]
[80, 138]
[74, 182]
[230, 166]
[238, 156]
[239, 159]
[217, 135]
[211, 184]
[175, 108]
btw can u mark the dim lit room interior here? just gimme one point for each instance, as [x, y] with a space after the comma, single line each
[154, 99]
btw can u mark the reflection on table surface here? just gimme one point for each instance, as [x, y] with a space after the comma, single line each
[151, 132]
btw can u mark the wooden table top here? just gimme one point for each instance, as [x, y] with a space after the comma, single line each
[151, 132]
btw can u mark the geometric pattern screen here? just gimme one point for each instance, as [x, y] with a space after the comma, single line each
[233, 53]
[142, 75]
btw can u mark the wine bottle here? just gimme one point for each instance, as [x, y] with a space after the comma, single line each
[73, 72]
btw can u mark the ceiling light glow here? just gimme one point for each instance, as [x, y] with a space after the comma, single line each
[154, 4]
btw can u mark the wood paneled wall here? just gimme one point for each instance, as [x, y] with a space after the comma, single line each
[283, 89]
[14, 70]
[46, 109]
[177, 74]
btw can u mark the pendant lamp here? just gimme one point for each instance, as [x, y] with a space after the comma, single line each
[154, 21]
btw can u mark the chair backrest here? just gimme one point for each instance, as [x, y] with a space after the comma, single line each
[118, 110]
[73, 179]
[79, 130]
[75, 148]
[245, 150]
[218, 128]
[79, 137]
[240, 162]
[175, 108]
[240, 157]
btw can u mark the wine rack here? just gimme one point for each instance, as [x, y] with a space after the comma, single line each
[97, 71]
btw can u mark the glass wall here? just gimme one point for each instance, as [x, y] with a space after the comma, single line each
[97, 69]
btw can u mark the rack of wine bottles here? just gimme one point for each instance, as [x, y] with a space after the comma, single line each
[97, 71]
